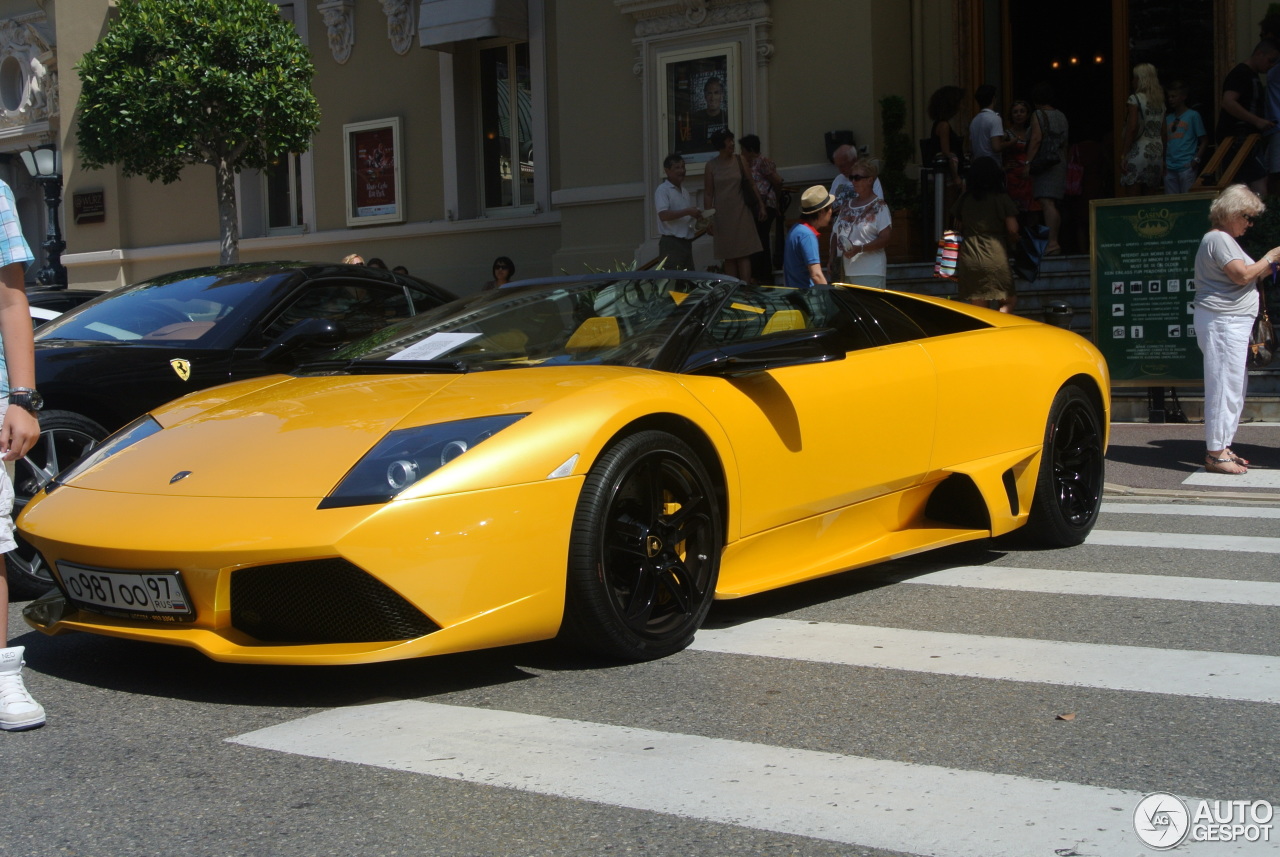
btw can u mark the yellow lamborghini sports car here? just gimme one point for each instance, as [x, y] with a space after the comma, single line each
[596, 457]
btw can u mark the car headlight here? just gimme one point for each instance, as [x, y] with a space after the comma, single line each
[405, 456]
[144, 426]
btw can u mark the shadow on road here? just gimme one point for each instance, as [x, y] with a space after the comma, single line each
[181, 673]
[177, 672]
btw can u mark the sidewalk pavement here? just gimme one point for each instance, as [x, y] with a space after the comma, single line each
[1167, 460]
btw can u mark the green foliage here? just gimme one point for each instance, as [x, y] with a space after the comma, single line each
[620, 266]
[179, 82]
[899, 191]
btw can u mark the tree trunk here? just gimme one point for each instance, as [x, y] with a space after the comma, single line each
[228, 222]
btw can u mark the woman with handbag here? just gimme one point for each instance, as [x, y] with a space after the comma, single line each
[727, 186]
[988, 219]
[764, 173]
[944, 140]
[1017, 182]
[1046, 164]
[1226, 304]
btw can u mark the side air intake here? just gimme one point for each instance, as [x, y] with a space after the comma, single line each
[958, 502]
[321, 601]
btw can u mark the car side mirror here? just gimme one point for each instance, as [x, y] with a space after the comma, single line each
[789, 348]
[307, 333]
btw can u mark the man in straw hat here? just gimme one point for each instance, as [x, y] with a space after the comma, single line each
[801, 260]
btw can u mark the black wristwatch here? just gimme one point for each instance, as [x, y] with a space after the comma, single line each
[26, 398]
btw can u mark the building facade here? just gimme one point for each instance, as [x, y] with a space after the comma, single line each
[455, 131]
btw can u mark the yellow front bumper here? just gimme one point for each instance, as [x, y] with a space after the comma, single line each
[487, 566]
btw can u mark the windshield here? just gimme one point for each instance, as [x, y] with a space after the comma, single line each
[615, 322]
[190, 307]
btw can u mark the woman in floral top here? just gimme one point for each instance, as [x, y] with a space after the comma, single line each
[861, 229]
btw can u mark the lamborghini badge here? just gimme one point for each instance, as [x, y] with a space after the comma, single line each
[182, 367]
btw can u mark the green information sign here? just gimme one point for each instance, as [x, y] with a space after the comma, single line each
[1143, 277]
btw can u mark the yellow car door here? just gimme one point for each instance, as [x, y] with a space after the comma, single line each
[812, 438]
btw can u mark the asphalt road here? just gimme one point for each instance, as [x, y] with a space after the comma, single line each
[940, 705]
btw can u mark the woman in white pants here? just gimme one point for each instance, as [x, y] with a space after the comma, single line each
[1226, 304]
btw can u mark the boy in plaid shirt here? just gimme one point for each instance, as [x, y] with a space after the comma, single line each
[19, 431]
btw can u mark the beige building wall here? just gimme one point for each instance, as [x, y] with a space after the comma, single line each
[376, 83]
[815, 66]
[598, 137]
[822, 78]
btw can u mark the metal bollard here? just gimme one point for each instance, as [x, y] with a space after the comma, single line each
[1058, 313]
[941, 174]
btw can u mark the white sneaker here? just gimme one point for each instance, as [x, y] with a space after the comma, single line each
[18, 710]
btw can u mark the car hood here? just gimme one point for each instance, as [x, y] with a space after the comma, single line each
[297, 437]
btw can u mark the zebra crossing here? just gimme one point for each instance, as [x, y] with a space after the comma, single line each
[859, 799]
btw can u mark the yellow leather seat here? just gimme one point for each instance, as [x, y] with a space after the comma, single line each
[594, 333]
[784, 319]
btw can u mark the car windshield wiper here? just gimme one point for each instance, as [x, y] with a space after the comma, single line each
[72, 342]
[381, 367]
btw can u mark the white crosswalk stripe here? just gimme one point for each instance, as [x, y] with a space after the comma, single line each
[855, 800]
[918, 808]
[1059, 582]
[1220, 675]
[1184, 541]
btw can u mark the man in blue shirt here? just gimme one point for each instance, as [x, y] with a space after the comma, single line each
[801, 261]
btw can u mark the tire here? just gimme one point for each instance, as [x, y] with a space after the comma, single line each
[1069, 486]
[64, 437]
[644, 552]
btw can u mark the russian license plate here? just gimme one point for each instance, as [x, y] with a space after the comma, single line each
[154, 595]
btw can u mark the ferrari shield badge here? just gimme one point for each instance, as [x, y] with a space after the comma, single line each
[182, 367]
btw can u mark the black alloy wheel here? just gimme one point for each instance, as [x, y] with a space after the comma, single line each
[644, 551]
[64, 437]
[1069, 487]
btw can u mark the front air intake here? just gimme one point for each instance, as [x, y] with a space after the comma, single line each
[321, 601]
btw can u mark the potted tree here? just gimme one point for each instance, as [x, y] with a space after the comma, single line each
[899, 191]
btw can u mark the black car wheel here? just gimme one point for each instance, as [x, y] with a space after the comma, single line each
[644, 551]
[64, 437]
[1069, 487]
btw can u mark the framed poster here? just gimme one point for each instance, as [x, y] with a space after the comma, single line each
[700, 93]
[374, 175]
[1144, 288]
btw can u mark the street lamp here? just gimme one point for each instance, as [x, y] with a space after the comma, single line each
[45, 166]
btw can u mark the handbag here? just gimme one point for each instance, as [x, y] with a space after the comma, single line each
[1262, 338]
[748, 187]
[1044, 162]
[944, 264]
[1075, 174]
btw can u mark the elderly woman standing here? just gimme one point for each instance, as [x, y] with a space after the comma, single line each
[1225, 307]
[861, 230]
